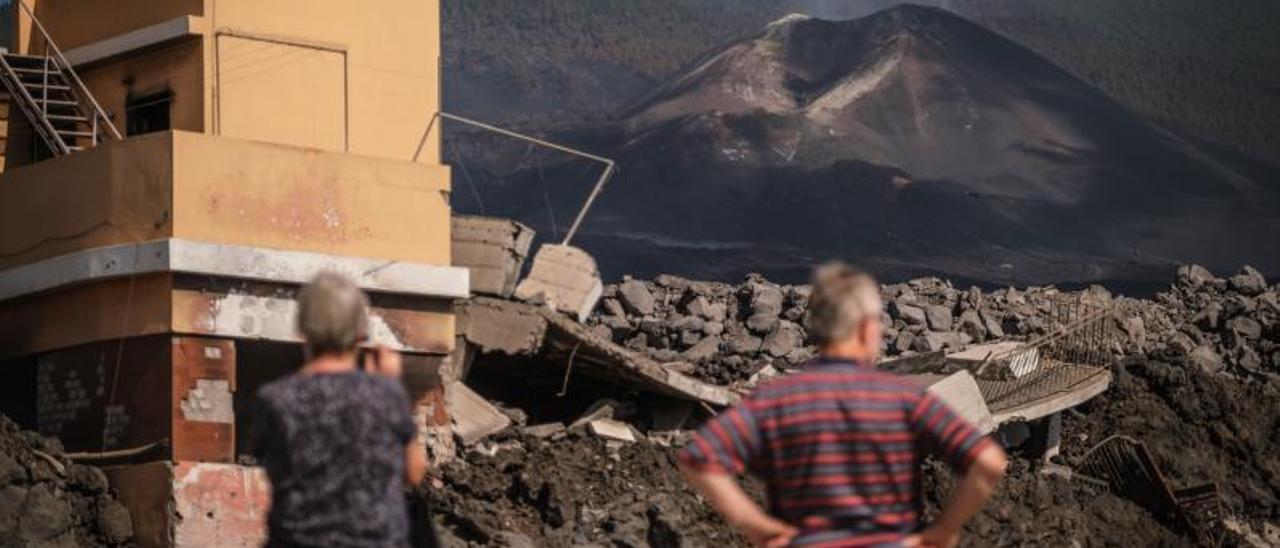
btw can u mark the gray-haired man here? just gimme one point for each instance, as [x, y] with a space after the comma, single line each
[839, 443]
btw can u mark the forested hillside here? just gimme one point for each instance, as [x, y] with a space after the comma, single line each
[1202, 67]
[1207, 68]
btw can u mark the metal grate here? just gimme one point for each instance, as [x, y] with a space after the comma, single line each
[1074, 351]
[1126, 466]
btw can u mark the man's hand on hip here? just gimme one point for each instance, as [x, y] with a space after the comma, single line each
[933, 537]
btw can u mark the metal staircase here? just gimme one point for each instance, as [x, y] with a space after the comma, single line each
[47, 90]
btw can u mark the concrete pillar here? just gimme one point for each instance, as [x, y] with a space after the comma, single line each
[1048, 434]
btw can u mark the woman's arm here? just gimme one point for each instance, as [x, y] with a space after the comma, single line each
[415, 462]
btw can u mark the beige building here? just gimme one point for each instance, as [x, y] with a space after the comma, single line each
[173, 171]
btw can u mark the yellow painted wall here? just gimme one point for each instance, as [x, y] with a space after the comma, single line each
[392, 52]
[299, 91]
[176, 67]
[263, 86]
[218, 189]
[74, 23]
[258, 194]
[101, 196]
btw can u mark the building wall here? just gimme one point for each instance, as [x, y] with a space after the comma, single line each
[106, 195]
[300, 89]
[390, 55]
[176, 68]
[74, 23]
[241, 192]
[200, 187]
[329, 74]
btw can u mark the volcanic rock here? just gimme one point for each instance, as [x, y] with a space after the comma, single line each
[1245, 327]
[1206, 359]
[911, 314]
[971, 324]
[939, 317]
[1209, 317]
[783, 340]
[41, 505]
[1195, 275]
[1249, 281]
[991, 324]
[744, 343]
[635, 296]
[702, 350]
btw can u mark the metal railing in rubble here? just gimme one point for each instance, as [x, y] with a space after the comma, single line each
[1127, 468]
[1075, 348]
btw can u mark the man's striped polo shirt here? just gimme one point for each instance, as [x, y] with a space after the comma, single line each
[838, 445]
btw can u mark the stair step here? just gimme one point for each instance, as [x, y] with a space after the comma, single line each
[57, 102]
[66, 118]
[38, 85]
[25, 60]
[37, 71]
[37, 78]
[69, 133]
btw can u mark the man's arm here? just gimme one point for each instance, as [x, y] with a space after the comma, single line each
[976, 457]
[979, 481]
[719, 450]
[728, 498]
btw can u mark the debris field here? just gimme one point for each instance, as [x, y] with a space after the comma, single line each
[1195, 378]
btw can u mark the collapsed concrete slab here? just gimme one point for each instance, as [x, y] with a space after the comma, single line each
[521, 329]
[998, 360]
[976, 354]
[612, 430]
[493, 250]
[960, 391]
[565, 278]
[473, 417]
[1041, 388]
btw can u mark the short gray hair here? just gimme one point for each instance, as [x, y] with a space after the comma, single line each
[333, 314]
[841, 299]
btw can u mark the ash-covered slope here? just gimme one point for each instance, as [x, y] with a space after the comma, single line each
[914, 141]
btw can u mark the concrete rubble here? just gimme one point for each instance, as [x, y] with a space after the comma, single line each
[662, 355]
[731, 331]
[474, 418]
[493, 250]
[674, 350]
[522, 329]
[563, 278]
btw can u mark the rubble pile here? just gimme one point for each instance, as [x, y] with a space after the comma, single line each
[726, 333]
[47, 500]
[1033, 509]
[736, 334]
[572, 488]
[1199, 427]
[1221, 323]
[1196, 374]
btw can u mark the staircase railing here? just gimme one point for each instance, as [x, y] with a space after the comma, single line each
[77, 86]
[38, 120]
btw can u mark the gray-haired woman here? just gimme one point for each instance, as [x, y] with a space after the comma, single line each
[336, 437]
